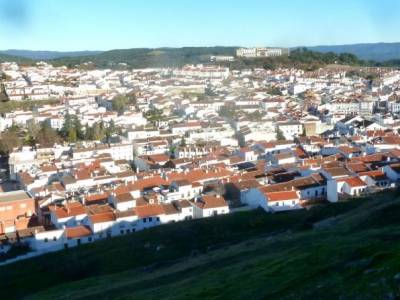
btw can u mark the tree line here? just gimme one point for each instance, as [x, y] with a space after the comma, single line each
[43, 134]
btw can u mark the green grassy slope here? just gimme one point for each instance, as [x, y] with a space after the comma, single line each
[149, 58]
[252, 254]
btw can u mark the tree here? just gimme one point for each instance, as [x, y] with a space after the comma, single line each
[279, 135]
[78, 128]
[68, 124]
[46, 136]
[88, 132]
[3, 94]
[183, 142]
[72, 136]
[227, 112]
[33, 130]
[131, 98]
[9, 140]
[119, 103]
[111, 129]
[98, 132]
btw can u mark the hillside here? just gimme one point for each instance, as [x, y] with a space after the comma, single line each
[303, 58]
[18, 59]
[344, 250]
[371, 51]
[149, 58]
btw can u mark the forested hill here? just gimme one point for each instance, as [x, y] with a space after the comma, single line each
[175, 57]
[302, 58]
[17, 59]
[149, 58]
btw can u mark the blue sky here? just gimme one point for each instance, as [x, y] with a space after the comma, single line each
[110, 24]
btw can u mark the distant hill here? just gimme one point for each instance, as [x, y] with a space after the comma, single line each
[44, 55]
[316, 57]
[18, 59]
[345, 250]
[149, 57]
[372, 51]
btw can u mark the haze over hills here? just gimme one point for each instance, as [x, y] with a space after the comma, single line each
[367, 51]
[33, 54]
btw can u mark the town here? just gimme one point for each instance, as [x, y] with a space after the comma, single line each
[108, 152]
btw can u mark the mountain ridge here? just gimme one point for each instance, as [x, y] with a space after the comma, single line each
[368, 51]
[379, 51]
[47, 54]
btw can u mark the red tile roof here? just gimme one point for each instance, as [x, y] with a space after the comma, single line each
[281, 196]
[77, 232]
[149, 210]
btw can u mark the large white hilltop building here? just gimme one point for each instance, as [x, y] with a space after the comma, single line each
[261, 52]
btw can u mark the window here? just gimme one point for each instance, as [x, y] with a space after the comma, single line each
[158, 219]
[276, 203]
[54, 238]
[150, 219]
[144, 220]
[294, 202]
[89, 239]
[46, 240]
[122, 231]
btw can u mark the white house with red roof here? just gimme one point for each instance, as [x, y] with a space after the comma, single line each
[272, 200]
[69, 215]
[350, 186]
[208, 205]
[282, 200]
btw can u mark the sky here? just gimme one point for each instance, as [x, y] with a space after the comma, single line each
[71, 25]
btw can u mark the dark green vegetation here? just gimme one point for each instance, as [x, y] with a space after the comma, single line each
[175, 57]
[303, 58]
[121, 102]
[44, 135]
[148, 58]
[17, 59]
[352, 252]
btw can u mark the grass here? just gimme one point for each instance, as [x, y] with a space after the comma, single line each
[248, 254]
